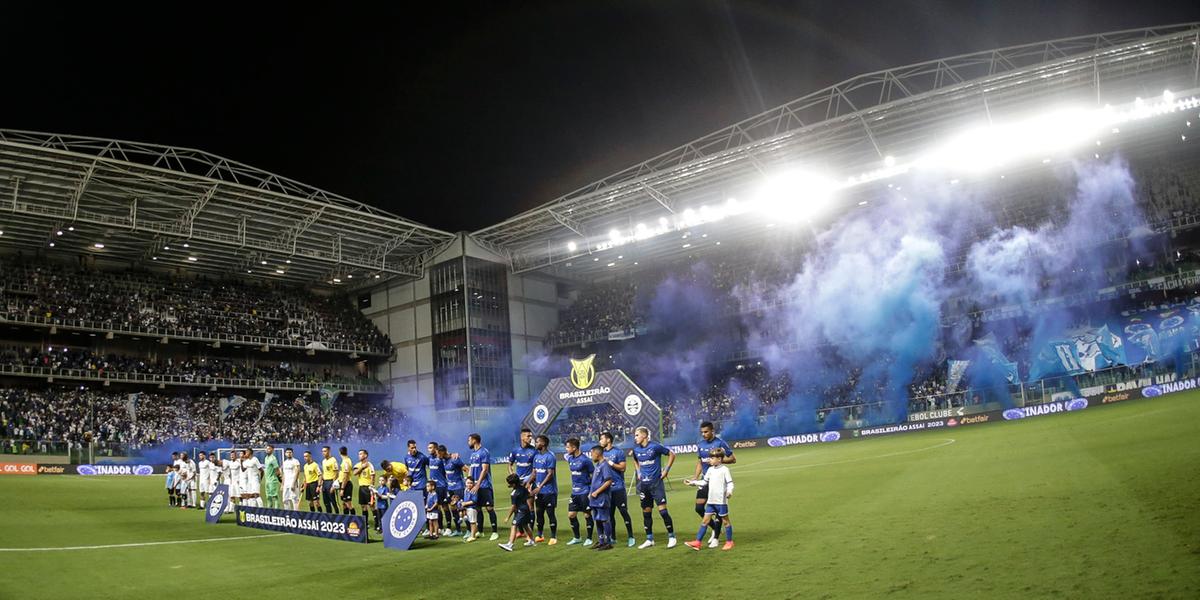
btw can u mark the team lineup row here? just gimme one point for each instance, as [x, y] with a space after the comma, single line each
[459, 494]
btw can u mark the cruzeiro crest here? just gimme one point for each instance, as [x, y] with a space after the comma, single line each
[404, 519]
[582, 372]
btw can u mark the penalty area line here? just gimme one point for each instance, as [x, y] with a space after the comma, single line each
[140, 544]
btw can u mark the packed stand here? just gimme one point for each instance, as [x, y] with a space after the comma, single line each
[83, 416]
[187, 369]
[145, 302]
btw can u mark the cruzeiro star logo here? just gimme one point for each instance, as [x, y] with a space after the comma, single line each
[582, 372]
[404, 519]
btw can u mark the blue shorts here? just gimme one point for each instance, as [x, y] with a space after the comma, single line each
[617, 498]
[721, 510]
[484, 498]
[523, 517]
[600, 513]
[652, 493]
[579, 503]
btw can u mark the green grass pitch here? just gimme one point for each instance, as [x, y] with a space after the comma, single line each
[1104, 503]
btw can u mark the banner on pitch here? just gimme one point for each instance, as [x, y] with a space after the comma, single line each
[404, 520]
[349, 528]
[218, 502]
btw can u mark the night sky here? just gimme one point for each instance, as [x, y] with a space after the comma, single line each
[462, 116]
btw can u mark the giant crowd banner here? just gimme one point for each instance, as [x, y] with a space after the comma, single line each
[1130, 337]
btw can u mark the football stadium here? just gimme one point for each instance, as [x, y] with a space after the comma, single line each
[931, 331]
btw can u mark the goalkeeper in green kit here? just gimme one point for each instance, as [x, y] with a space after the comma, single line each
[273, 476]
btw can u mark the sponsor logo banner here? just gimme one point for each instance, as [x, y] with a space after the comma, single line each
[1154, 391]
[114, 470]
[349, 528]
[18, 469]
[774, 442]
[1037, 410]
[52, 469]
[404, 519]
[218, 501]
[954, 421]
[937, 414]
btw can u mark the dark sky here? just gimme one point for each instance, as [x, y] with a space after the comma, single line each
[462, 116]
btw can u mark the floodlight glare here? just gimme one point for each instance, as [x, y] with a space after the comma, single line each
[571, 246]
[985, 148]
[795, 195]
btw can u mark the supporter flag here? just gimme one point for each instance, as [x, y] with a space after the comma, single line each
[131, 402]
[1112, 346]
[991, 349]
[262, 406]
[302, 404]
[230, 404]
[954, 374]
[328, 396]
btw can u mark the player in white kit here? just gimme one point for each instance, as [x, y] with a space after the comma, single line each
[252, 472]
[205, 468]
[233, 478]
[291, 481]
[187, 476]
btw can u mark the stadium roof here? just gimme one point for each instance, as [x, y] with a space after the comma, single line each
[848, 128]
[130, 201]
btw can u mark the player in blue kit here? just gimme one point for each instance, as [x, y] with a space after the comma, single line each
[481, 471]
[647, 457]
[708, 442]
[615, 457]
[545, 489]
[437, 475]
[581, 468]
[520, 460]
[416, 464]
[453, 467]
[600, 498]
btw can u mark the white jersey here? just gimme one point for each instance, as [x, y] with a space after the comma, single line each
[720, 484]
[251, 475]
[204, 468]
[291, 471]
[233, 476]
[187, 471]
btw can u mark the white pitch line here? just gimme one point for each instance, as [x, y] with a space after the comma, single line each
[61, 548]
[945, 442]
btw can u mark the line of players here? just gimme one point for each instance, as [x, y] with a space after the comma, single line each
[460, 494]
[189, 483]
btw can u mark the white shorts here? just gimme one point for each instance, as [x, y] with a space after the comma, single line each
[251, 489]
[290, 494]
[431, 516]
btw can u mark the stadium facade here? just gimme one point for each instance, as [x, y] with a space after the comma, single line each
[500, 291]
